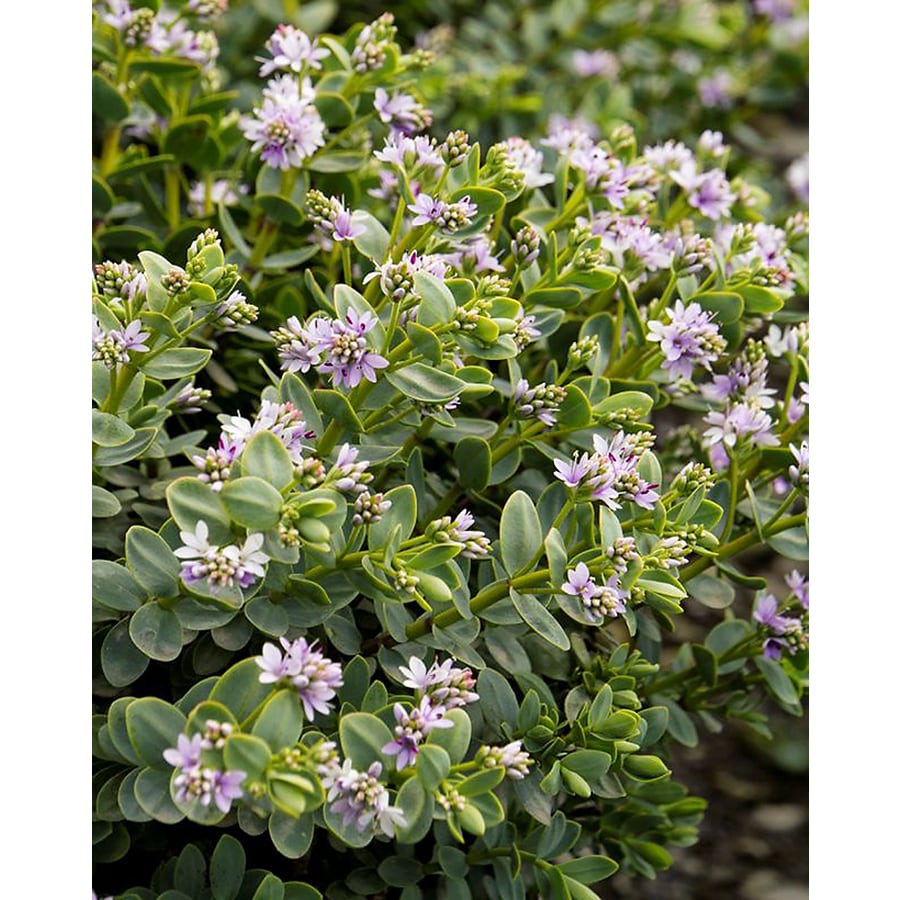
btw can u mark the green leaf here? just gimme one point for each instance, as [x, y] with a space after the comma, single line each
[113, 586]
[640, 402]
[103, 503]
[716, 593]
[252, 502]
[425, 383]
[726, 306]
[295, 390]
[438, 306]
[190, 871]
[432, 766]
[455, 740]
[589, 869]
[402, 512]
[497, 699]
[226, 868]
[600, 708]
[336, 406]
[233, 233]
[521, 536]
[362, 737]
[339, 161]
[288, 259]
[759, 301]
[555, 297]
[248, 754]
[401, 871]
[185, 139]
[779, 683]
[266, 456]
[115, 456]
[680, 725]
[270, 888]
[157, 632]
[122, 663]
[240, 689]
[374, 241]
[539, 619]
[295, 792]
[291, 835]
[191, 500]
[152, 562]
[178, 362]
[707, 664]
[108, 430]
[153, 726]
[481, 782]
[591, 765]
[281, 720]
[106, 101]
[151, 791]
[473, 460]
[793, 543]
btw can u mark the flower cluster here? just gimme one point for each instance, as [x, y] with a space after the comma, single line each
[511, 756]
[283, 420]
[287, 127]
[362, 800]
[113, 347]
[439, 688]
[222, 567]
[610, 473]
[314, 676]
[784, 632]
[196, 781]
[688, 337]
[541, 401]
[599, 600]
[458, 531]
[335, 347]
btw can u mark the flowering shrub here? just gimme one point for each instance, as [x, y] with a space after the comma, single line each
[475, 426]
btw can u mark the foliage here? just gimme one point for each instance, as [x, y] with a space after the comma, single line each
[475, 422]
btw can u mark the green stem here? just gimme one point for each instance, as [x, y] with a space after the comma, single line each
[677, 678]
[264, 240]
[173, 198]
[346, 263]
[733, 484]
[480, 602]
[738, 545]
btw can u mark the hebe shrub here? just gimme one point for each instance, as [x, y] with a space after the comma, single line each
[475, 425]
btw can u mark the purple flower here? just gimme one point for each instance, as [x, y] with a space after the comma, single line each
[226, 786]
[670, 157]
[566, 135]
[315, 677]
[286, 128]
[573, 473]
[765, 612]
[741, 420]
[361, 799]
[511, 756]
[427, 209]
[713, 143]
[417, 675]
[345, 348]
[411, 728]
[600, 63]
[458, 530]
[800, 472]
[709, 192]
[715, 91]
[224, 566]
[580, 583]
[291, 49]
[401, 111]
[598, 600]
[799, 585]
[410, 152]
[688, 338]
[526, 160]
[342, 226]
[274, 667]
[186, 755]
[797, 176]
[775, 10]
